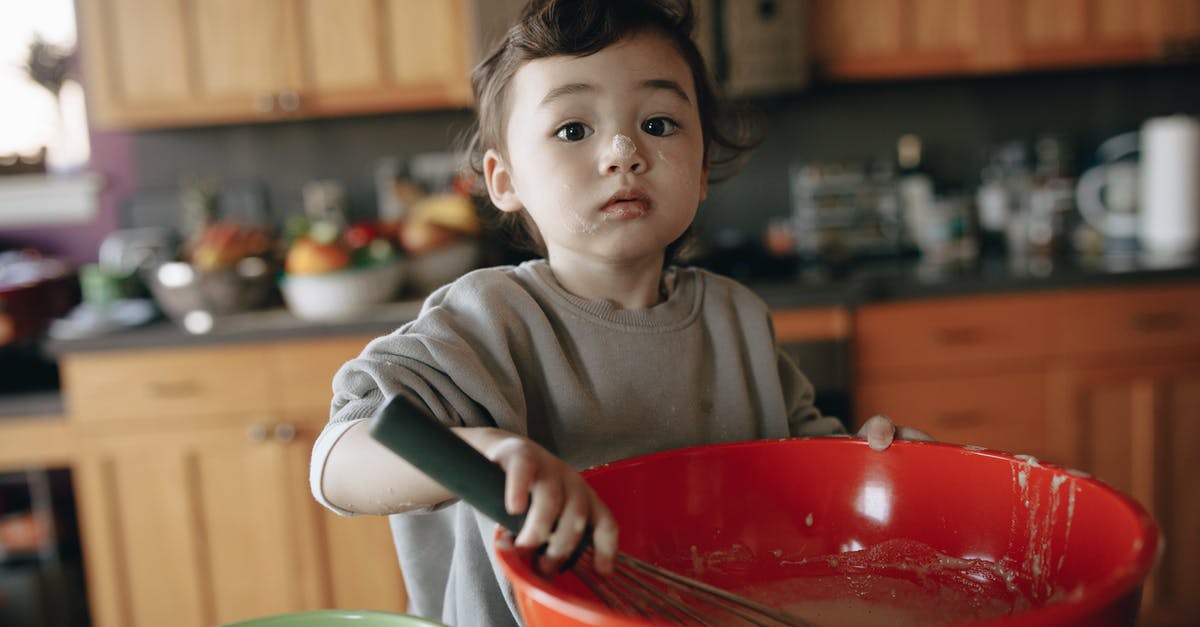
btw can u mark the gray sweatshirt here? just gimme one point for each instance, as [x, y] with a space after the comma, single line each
[508, 347]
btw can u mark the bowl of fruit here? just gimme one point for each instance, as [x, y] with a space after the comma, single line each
[226, 268]
[336, 273]
[440, 237]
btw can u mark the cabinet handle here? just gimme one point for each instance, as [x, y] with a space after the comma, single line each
[264, 102]
[257, 433]
[963, 419]
[957, 336]
[289, 101]
[285, 432]
[1158, 321]
[173, 389]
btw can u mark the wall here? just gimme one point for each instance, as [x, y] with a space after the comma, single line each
[959, 120]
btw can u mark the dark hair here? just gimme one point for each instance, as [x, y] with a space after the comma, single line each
[548, 28]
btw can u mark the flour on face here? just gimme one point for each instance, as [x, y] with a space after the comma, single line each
[623, 146]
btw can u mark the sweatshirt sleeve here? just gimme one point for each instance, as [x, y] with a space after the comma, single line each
[455, 358]
[804, 419]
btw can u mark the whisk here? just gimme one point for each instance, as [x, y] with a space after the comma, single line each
[635, 588]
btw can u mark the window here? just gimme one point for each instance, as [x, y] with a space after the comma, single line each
[45, 110]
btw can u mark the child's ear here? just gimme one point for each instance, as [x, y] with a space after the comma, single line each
[499, 182]
[704, 183]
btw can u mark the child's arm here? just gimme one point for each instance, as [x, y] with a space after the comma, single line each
[362, 476]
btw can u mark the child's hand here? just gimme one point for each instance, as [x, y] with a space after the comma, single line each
[880, 431]
[563, 508]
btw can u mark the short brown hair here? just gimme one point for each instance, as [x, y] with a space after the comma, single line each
[548, 28]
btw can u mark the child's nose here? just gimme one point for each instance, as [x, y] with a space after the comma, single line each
[622, 156]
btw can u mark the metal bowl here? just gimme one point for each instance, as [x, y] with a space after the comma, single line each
[187, 294]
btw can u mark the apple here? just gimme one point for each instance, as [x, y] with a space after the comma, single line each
[308, 256]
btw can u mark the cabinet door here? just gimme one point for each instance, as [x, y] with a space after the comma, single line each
[1137, 427]
[403, 54]
[895, 38]
[152, 63]
[1095, 32]
[1003, 411]
[195, 527]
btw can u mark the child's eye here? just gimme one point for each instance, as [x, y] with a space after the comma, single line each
[660, 127]
[573, 131]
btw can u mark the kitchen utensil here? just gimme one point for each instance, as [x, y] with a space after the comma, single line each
[181, 289]
[638, 587]
[342, 294]
[1107, 193]
[1170, 185]
[827, 524]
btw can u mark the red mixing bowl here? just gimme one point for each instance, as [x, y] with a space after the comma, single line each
[923, 533]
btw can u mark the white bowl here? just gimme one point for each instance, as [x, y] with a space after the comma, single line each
[430, 270]
[343, 294]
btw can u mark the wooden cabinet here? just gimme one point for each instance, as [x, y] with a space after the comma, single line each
[1104, 380]
[1124, 396]
[862, 39]
[152, 63]
[967, 370]
[192, 481]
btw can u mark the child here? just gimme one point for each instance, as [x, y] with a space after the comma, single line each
[596, 121]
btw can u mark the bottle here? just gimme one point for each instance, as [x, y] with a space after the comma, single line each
[914, 187]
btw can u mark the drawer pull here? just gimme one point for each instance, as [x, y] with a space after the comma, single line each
[960, 419]
[173, 389]
[257, 433]
[958, 336]
[285, 432]
[1158, 321]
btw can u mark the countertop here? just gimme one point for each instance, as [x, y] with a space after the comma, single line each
[862, 284]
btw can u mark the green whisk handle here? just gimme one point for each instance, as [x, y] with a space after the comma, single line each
[435, 450]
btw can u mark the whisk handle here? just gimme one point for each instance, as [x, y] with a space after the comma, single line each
[435, 450]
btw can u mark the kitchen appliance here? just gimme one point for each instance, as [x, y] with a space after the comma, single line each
[1169, 193]
[1145, 191]
[828, 525]
[755, 47]
[752, 47]
[1106, 193]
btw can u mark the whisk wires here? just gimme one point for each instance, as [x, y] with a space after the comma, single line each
[639, 588]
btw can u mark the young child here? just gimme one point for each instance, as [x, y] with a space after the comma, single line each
[595, 125]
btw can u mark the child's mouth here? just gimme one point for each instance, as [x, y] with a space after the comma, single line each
[625, 207]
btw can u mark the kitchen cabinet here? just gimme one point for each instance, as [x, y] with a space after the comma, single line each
[1125, 394]
[968, 370]
[152, 63]
[1104, 380]
[193, 487]
[866, 39]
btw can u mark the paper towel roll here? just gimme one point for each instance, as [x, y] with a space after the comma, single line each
[1170, 185]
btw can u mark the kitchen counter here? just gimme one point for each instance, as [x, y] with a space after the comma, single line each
[861, 284]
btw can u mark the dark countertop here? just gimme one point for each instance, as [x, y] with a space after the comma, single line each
[879, 282]
[862, 284]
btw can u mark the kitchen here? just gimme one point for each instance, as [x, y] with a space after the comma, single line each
[1071, 328]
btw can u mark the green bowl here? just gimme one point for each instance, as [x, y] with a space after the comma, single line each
[321, 618]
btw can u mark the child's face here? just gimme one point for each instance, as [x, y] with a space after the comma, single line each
[605, 152]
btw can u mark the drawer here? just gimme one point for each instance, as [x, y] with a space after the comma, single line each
[1004, 411]
[305, 369]
[951, 332]
[1129, 319]
[108, 386]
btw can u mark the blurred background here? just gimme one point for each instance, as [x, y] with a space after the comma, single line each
[964, 214]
